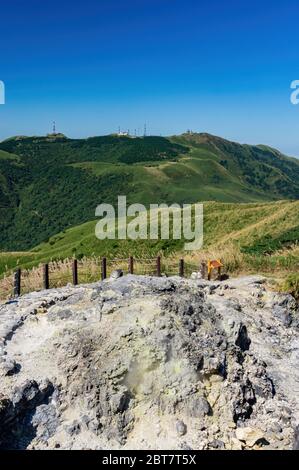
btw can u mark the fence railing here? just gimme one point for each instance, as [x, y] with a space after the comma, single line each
[53, 275]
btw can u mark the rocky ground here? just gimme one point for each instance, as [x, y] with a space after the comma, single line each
[150, 363]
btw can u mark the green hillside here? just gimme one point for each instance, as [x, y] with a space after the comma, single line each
[255, 236]
[49, 184]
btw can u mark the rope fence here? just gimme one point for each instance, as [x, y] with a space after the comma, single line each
[61, 273]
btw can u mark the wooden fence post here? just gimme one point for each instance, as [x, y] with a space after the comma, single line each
[131, 265]
[104, 268]
[159, 266]
[203, 269]
[181, 268]
[17, 283]
[75, 272]
[46, 276]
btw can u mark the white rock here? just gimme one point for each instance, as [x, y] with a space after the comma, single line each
[249, 435]
[236, 444]
[196, 275]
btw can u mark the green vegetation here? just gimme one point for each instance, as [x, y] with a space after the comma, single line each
[229, 231]
[271, 243]
[50, 187]
[291, 285]
[51, 184]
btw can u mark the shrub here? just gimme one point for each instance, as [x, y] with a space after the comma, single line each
[291, 285]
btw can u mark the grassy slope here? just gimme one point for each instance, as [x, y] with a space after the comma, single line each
[229, 231]
[195, 176]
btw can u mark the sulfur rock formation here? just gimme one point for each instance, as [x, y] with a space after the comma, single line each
[152, 363]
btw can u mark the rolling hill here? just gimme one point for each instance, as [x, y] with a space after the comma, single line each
[49, 184]
[248, 237]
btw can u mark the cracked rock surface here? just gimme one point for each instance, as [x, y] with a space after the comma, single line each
[137, 362]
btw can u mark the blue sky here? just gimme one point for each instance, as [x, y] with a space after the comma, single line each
[223, 67]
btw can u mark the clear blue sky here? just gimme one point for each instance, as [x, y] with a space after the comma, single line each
[223, 67]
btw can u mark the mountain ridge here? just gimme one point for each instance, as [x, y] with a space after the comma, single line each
[48, 184]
